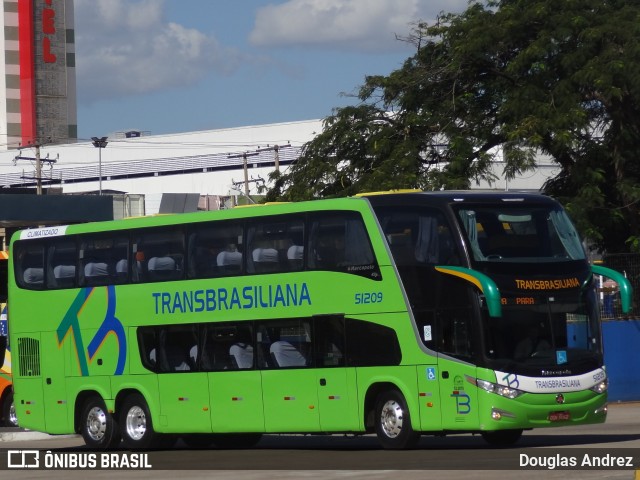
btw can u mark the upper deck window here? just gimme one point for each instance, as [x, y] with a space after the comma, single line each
[418, 236]
[520, 234]
[339, 241]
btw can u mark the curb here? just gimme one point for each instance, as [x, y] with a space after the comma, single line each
[21, 435]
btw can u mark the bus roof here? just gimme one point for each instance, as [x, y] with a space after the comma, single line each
[360, 202]
[443, 197]
[348, 203]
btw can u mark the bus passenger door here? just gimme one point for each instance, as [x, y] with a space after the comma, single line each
[458, 396]
[336, 384]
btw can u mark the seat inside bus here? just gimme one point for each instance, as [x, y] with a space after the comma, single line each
[285, 354]
[33, 276]
[64, 275]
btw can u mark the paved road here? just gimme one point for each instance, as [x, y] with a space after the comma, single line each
[312, 457]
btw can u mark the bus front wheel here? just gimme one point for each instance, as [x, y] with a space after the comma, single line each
[98, 427]
[393, 422]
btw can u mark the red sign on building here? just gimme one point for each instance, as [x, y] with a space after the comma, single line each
[44, 95]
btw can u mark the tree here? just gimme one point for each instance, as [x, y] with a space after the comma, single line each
[516, 78]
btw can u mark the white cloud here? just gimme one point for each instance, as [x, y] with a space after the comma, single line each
[126, 47]
[369, 25]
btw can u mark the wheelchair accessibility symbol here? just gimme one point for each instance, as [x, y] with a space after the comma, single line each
[431, 373]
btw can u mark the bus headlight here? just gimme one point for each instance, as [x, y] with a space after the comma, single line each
[601, 387]
[501, 390]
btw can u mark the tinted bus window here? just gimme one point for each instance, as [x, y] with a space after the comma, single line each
[369, 344]
[61, 263]
[215, 249]
[104, 259]
[158, 255]
[339, 241]
[173, 348]
[228, 347]
[418, 236]
[29, 265]
[285, 343]
[329, 340]
[275, 245]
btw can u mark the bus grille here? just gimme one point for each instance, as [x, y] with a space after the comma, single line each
[29, 357]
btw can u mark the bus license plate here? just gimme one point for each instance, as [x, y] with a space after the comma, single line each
[559, 416]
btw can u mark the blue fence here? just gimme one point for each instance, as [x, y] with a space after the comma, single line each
[622, 358]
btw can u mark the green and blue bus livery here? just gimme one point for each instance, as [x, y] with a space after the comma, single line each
[401, 314]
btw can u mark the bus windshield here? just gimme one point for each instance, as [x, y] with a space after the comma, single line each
[549, 310]
[511, 233]
[553, 330]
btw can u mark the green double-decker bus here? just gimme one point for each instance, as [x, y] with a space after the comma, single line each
[403, 314]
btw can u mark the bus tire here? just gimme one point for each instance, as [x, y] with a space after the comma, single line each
[97, 426]
[393, 422]
[502, 438]
[136, 426]
[9, 417]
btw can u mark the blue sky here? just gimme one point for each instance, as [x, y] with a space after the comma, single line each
[170, 66]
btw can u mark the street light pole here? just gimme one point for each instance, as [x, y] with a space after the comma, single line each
[99, 143]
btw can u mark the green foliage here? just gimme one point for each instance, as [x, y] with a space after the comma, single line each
[522, 77]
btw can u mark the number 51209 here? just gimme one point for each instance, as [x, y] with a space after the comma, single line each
[368, 297]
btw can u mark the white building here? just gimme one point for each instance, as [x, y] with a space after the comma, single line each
[204, 163]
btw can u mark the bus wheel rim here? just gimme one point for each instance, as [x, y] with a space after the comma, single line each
[13, 417]
[96, 424]
[136, 423]
[391, 418]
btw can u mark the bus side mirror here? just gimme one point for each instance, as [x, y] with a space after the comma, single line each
[3, 349]
[624, 286]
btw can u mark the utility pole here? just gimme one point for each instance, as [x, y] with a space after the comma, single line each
[276, 153]
[246, 174]
[39, 160]
[245, 167]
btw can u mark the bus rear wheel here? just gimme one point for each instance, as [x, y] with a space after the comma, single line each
[98, 427]
[502, 438]
[136, 426]
[393, 422]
